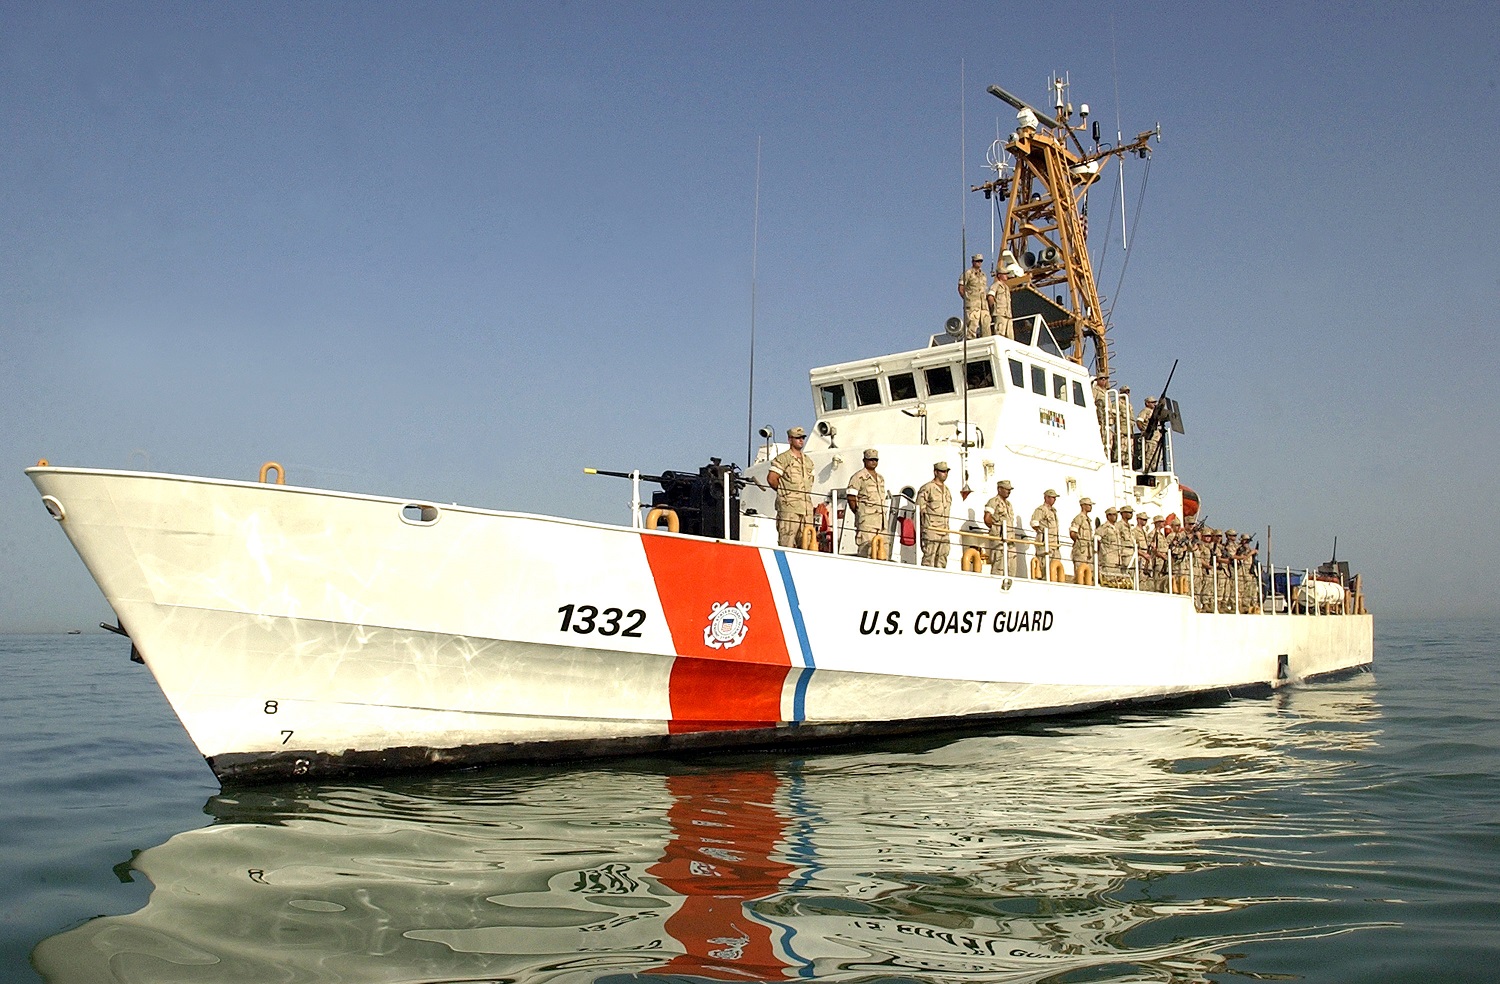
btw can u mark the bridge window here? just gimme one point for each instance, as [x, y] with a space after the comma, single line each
[1078, 393]
[981, 374]
[1038, 380]
[939, 380]
[1059, 388]
[866, 392]
[1017, 374]
[835, 397]
[903, 387]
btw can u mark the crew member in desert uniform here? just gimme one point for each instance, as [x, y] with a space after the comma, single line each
[792, 478]
[866, 497]
[935, 505]
[1000, 517]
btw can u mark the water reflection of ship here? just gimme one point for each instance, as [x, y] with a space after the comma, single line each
[1008, 857]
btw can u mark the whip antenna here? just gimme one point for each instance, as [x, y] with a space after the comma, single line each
[754, 258]
[963, 176]
[1114, 60]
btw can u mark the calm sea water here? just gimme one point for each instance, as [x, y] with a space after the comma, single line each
[1345, 832]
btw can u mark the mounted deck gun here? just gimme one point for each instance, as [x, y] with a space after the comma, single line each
[1166, 414]
[695, 499]
[1046, 220]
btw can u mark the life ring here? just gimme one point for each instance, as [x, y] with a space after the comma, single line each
[807, 538]
[265, 470]
[973, 559]
[655, 516]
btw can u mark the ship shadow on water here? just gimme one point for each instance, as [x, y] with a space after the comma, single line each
[1127, 849]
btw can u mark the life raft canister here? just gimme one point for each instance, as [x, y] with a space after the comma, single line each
[1189, 503]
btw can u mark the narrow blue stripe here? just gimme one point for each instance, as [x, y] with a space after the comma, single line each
[799, 699]
[801, 852]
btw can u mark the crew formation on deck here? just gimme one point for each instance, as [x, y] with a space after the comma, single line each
[1126, 549]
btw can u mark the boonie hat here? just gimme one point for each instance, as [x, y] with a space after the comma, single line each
[1051, 492]
[1003, 484]
[1126, 509]
[1085, 501]
[1111, 511]
[940, 466]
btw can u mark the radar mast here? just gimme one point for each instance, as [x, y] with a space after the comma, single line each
[1046, 231]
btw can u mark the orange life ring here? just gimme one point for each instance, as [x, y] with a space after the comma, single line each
[655, 516]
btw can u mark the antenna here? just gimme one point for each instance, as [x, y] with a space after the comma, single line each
[994, 159]
[963, 174]
[754, 259]
[1114, 56]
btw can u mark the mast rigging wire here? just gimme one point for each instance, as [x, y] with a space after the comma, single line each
[1139, 201]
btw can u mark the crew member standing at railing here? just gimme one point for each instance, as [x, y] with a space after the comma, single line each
[935, 505]
[1158, 543]
[792, 477]
[1179, 547]
[1000, 517]
[867, 501]
[1101, 401]
[1205, 561]
[973, 287]
[1124, 426]
[1109, 548]
[1226, 571]
[1081, 531]
[1142, 537]
[998, 300]
[1150, 437]
[1126, 526]
[1249, 584]
[1045, 526]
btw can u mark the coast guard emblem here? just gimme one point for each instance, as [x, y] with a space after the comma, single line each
[727, 625]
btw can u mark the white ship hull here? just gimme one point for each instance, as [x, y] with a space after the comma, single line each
[304, 632]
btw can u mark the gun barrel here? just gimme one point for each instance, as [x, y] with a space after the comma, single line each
[618, 474]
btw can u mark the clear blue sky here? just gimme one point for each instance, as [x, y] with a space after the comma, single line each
[461, 251]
